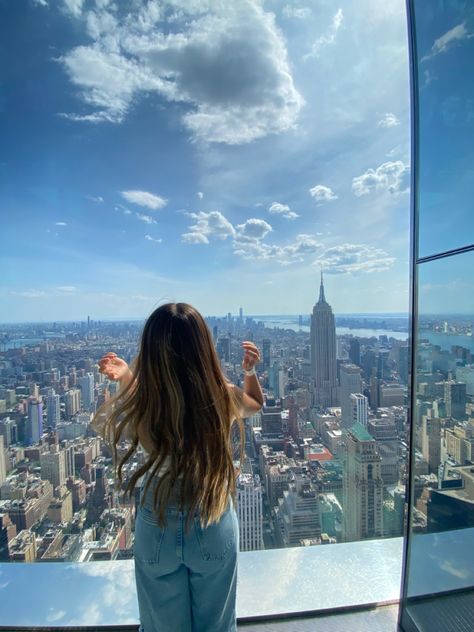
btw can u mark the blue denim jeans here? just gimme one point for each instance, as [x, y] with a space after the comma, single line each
[186, 582]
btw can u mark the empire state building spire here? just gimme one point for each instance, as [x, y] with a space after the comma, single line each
[322, 298]
[323, 352]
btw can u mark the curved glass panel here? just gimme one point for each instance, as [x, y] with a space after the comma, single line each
[441, 552]
[445, 50]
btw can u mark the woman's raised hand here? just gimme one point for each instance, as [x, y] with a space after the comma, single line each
[251, 355]
[113, 367]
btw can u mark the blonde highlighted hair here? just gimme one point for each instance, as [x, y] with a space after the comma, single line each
[182, 402]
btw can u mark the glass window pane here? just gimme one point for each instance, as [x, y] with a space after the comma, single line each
[442, 528]
[445, 49]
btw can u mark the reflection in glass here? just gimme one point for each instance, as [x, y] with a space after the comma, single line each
[441, 556]
[445, 49]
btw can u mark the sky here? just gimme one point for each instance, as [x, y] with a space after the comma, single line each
[212, 152]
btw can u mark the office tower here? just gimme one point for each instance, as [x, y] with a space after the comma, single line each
[53, 409]
[9, 431]
[383, 370]
[431, 430]
[298, 513]
[359, 409]
[374, 392]
[86, 384]
[35, 419]
[362, 486]
[241, 314]
[354, 351]
[266, 354]
[368, 363]
[249, 511]
[455, 399]
[271, 416]
[323, 352]
[223, 349]
[53, 467]
[99, 499]
[351, 382]
[273, 379]
[3, 461]
[73, 401]
[215, 333]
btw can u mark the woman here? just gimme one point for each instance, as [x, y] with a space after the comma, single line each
[177, 405]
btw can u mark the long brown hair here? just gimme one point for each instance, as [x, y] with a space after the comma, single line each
[182, 403]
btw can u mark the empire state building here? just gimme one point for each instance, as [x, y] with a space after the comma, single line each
[323, 352]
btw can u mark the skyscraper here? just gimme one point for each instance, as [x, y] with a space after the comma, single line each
[35, 419]
[323, 352]
[359, 409]
[249, 510]
[3, 464]
[266, 353]
[53, 409]
[86, 385]
[362, 487]
[351, 382]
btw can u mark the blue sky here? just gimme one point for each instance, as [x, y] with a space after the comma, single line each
[218, 153]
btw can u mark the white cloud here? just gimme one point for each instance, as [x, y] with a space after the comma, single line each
[29, 293]
[354, 258]
[150, 238]
[225, 63]
[282, 209]
[194, 238]
[322, 194]
[299, 13]
[144, 198]
[389, 120]
[95, 198]
[144, 218]
[60, 224]
[200, 194]
[212, 224]
[328, 38]
[448, 40]
[253, 229]
[41, 3]
[74, 7]
[391, 176]
[55, 615]
[67, 289]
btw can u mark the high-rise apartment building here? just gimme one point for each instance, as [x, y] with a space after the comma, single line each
[323, 352]
[35, 419]
[354, 351]
[359, 409]
[266, 354]
[53, 467]
[362, 486]
[351, 382]
[86, 384]
[249, 511]
[53, 409]
[73, 401]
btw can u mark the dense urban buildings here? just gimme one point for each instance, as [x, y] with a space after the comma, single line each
[325, 457]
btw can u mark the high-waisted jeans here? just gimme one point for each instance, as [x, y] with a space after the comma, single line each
[186, 581]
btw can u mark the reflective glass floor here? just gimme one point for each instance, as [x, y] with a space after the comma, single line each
[273, 582]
